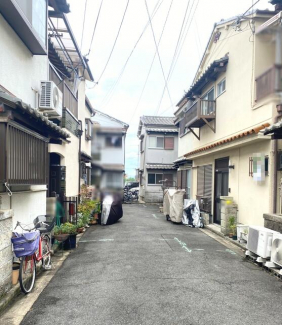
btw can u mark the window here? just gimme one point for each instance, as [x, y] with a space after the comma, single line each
[168, 180]
[169, 143]
[208, 102]
[88, 129]
[221, 87]
[114, 141]
[113, 180]
[155, 179]
[156, 142]
[35, 12]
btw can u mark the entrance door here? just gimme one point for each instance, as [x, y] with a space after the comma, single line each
[221, 185]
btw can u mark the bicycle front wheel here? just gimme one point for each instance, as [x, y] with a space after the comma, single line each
[46, 253]
[27, 273]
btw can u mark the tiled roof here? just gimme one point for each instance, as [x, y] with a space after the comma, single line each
[157, 120]
[230, 139]
[160, 166]
[15, 102]
[162, 130]
[181, 159]
[274, 128]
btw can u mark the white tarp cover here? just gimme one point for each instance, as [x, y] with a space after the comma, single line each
[196, 215]
[173, 204]
[107, 204]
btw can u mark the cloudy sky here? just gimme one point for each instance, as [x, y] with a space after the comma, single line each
[121, 63]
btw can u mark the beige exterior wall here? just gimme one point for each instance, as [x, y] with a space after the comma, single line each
[236, 111]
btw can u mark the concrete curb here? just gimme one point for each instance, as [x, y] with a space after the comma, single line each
[15, 291]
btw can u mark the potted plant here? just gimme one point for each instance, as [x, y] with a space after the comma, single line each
[71, 230]
[59, 235]
[232, 227]
[80, 225]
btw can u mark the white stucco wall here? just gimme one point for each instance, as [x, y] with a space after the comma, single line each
[20, 71]
[69, 158]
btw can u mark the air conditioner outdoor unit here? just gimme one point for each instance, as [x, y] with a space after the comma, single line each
[276, 249]
[51, 99]
[260, 241]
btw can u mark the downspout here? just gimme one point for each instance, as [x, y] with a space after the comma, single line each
[79, 156]
[274, 146]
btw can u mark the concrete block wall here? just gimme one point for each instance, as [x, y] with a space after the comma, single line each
[273, 221]
[154, 197]
[6, 255]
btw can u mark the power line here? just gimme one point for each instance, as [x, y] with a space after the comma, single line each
[90, 47]
[148, 74]
[176, 52]
[157, 49]
[111, 91]
[114, 42]
[83, 24]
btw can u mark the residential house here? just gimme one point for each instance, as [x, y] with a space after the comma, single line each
[108, 152]
[158, 150]
[43, 114]
[221, 117]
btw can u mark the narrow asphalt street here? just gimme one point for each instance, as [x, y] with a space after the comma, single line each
[139, 271]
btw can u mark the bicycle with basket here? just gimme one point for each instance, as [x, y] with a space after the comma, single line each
[31, 247]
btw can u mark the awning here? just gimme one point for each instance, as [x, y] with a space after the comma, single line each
[85, 157]
[17, 103]
[244, 134]
[182, 161]
[160, 166]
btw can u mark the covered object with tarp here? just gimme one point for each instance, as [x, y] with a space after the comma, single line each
[173, 204]
[111, 210]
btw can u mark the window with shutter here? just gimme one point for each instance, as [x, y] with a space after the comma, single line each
[169, 143]
[204, 187]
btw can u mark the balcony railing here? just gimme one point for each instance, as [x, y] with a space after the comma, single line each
[269, 82]
[69, 99]
[200, 112]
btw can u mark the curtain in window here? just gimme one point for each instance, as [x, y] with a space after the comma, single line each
[169, 142]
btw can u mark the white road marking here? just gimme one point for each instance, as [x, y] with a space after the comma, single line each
[183, 245]
[145, 206]
[227, 250]
[95, 240]
[154, 216]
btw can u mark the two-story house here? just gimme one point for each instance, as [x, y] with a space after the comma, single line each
[108, 152]
[43, 114]
[158, 150]
[222, 115]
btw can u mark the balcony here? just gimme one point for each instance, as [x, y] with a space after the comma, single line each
[201, 112]
[268, 83]
[69, 99]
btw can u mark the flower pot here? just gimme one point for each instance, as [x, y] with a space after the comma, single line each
[234, 237]
[15, 275]
[230, 235]
[96, 216]
[61, 237]
[80, 230]
[71, 242]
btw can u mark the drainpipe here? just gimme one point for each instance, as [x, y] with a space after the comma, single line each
[274, 145]
[80, 132]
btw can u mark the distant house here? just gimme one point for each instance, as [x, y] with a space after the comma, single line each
[158, 150]
[108, 152]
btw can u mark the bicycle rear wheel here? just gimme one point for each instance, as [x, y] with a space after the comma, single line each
[27, 273]
[46, 253]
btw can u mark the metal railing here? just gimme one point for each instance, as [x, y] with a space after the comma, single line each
[269, 82]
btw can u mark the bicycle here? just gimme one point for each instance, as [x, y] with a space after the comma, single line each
[40, 252]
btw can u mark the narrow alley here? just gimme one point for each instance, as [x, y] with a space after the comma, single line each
[145, 270]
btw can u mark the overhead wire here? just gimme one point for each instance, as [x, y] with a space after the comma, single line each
[157, 49]
[94, 30]
[109, 94]
[153, 60]
[105, 67]
[82, 34]
[178, 47]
